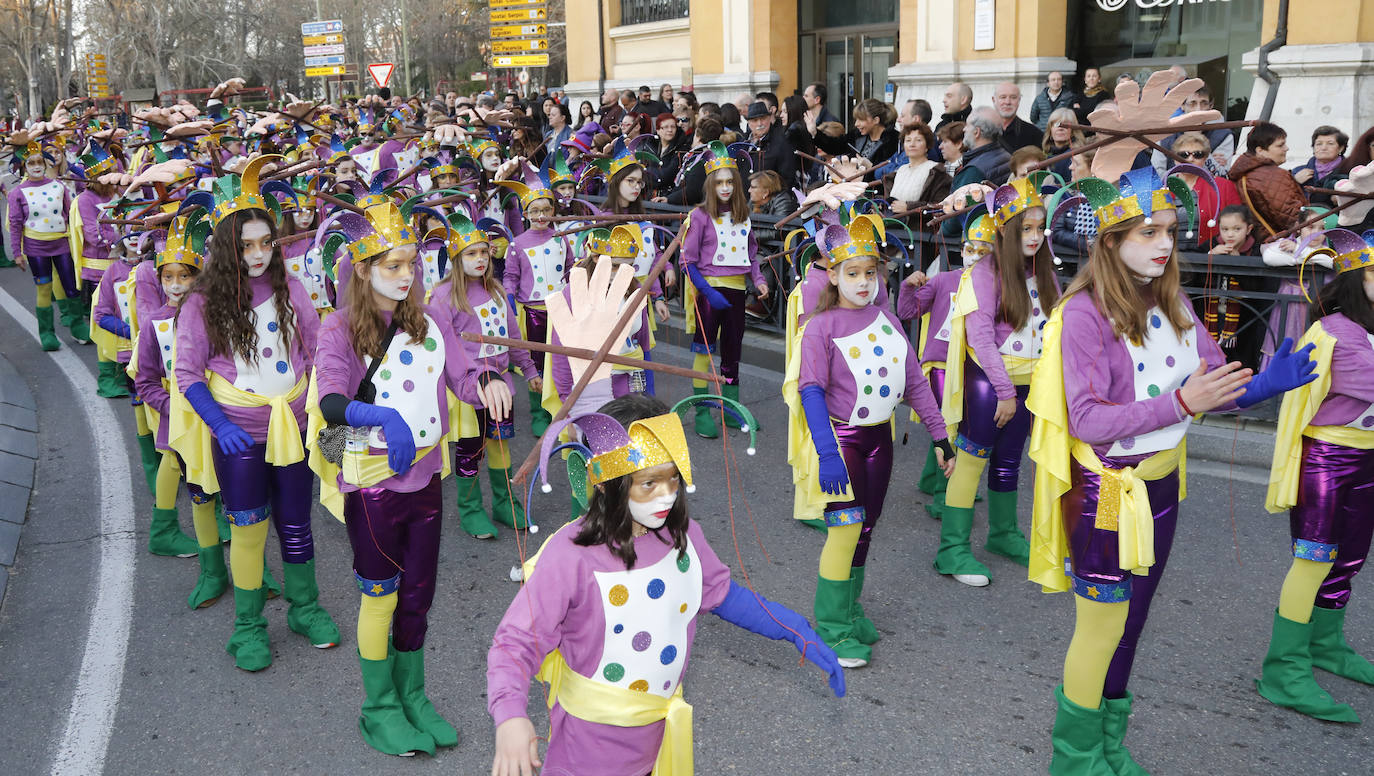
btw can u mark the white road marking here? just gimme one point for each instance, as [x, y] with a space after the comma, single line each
[90, 720]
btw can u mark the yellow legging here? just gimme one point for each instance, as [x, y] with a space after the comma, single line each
[168, 478]
[838, 553]
[701, 362]
[963, 484]
[141, 421]
[498, 453]
[43, 294]
[207, 527]
[374, 625]
[1096, 634]
[1299, 591]
[245, 554]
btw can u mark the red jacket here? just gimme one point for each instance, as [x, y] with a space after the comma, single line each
[1209, 205]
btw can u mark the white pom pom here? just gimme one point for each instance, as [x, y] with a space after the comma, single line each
[1047, 231]
[1188, 235]
[1211, 223]
[1149, 221]
[744, 428]
[691, 489]
[750, 451]
[546, 488]
[1058, 262]
[911, 247]
[534, 528]
[907, 265]
[517, 574]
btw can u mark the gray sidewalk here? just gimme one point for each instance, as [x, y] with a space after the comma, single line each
[18, 458]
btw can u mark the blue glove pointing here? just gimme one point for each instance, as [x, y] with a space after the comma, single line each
[757, 614]
[833, 474]
[708, 292]
[400, 443]
[232, 439]
[1287, 370]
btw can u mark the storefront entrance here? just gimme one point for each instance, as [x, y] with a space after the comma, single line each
[851, 60]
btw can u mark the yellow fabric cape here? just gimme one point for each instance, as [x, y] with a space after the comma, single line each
[1123, 499]
[810, 500]
[593, 701]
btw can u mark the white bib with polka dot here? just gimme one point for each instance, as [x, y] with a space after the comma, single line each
[630, 347]
[45, 208]
[273, 374]
[647, 613]
[492, 316]
[876, 356]
[406, 158]
[124, 298]
[309, 270]
[1365, 421]
[546, 262]
[942, 333]
[429, 266]
[366, 161]
[1159, 365]
[494, 210]
[732, 242]
[647, 252]
[407, 381]
[1029, 340]
[166, 331]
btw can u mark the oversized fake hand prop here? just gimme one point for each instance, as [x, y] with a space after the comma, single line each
[588, 319]
[1136, 109]
[163, 172]
[191, 128]
[832, 194]
[1361, 181]
[227, 88]
[450, 134]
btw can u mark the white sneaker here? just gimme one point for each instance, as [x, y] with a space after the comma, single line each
[972, 580]
[484, 536]
[851, 662]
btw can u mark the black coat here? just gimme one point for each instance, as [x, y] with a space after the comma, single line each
[1020, 134]
[777, 153]
[850, 143]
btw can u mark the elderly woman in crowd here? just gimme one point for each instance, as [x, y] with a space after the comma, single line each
[1059, 138]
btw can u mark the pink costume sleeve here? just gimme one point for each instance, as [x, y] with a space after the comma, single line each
[979, 330]
[919, 396]
[18, 214]
[99, 238]
[148, 295]
[148, 380]
[912, 303]
[193, 350]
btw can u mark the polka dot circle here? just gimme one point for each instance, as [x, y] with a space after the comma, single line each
[431, 344]
[619, 595]
[668, 655]
[613, 672]
[656, 588]
[1140, 367]
[639, 685]
[641, 641]
[684, 562]
[271, 325]
[408, 386]
[863, 412]
[282, 366]
[407, 357]
[1153, 390]
[619, 628]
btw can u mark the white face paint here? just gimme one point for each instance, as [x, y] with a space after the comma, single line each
[974, 250]
[302, 218]
[255, 243]
[857, 280]
[476, 259]
[1369, 284]
[652, 514]
[393, 274]
[491, 160]
[1032, 231]
[1147, 248]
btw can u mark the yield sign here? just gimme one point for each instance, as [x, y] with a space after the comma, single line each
[381, 72]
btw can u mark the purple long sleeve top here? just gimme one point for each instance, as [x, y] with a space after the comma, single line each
[702, 247]
[194, 357]
[1352, 362]
[98, 240]
[148, 293]
[985, 331]
[55, 195]
[537, 265]
[936, 298]
[108, 303]
[865, 364]
[561, 607]
[487, 316]
[338, 369]
[156, 335]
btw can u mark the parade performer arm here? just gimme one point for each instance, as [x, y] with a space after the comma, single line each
[756, 271]
[980, 330]
[469, 380]
[770, 619]
[18, 213]
[919, 397]
[337, 373]
[307, 320]
[231, 438]
[914, 296]
[106, 312]
[148, 378]
[1287, 370]
[698, 226]
[193, 354]
[101, 237]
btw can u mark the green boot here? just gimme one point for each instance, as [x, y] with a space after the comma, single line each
[932, 479]
[730, 391]
[409, 674]
[213, 579]
[1330, 652]
[505, 506]
[270, 583]
[1004, 535]
[817, 524]
[165, 536]
[5, 260]
[539, 417]
[306, 616]
[1287, 675]
[109, 384]
[151, 459]
[74, 318]
[864, 629]
[705, 424]
[936, 507]
[954, 556]
[472, 515]
[249, 644]
[383, 723]
[834, 599]
[47, 336]
[1077, 740]
[1116, 714]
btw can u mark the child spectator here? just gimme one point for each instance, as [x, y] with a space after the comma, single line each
[1226, 316]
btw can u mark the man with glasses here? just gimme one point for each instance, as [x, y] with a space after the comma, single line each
[1223, 142]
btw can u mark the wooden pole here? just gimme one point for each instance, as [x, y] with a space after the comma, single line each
[588, 355]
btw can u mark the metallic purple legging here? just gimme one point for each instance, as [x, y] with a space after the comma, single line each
[1007, 442]
[537, 330]
[1094, 559]
[867, 452]
[937, 384]
[468, 451]
[43, 266]
[1335, 507]
[395, 533]
[723, 329]
[249, 484]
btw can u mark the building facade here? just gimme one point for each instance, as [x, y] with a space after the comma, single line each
[897, 50]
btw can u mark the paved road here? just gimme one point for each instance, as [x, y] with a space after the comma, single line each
[961, 682]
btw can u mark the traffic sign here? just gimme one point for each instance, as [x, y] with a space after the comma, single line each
[514, 3]
[520, 31]
[381, 72]
[312, 72]
[535, 13]
[96, 71]
[322, 40]
[92, 80]
[321, 27]
[519, 46]
[477, 77]
[324, 51]
[526, 60]
[95, 57]
[335, 59]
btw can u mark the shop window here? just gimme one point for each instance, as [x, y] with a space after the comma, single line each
[643, 11]
[819, 14]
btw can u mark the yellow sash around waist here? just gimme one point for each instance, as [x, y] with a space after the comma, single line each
[1345, 436]
[108, 346]
[283, 432]
[100, 265]
[34, 234]
[593, 701]
[1123, 503]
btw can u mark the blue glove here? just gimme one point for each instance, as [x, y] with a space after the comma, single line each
[757, 614]
[708, 292]
[834, 475]
[232, 439]
[115, 325]
[400, 443]
[1287, 370]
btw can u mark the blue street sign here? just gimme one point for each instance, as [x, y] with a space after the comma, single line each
[320, 28]
[336, 59]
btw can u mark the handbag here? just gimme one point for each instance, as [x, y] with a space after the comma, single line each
[334, 438]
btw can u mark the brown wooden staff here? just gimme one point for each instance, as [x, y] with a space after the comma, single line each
[1115, 136]
[619, 217]
[587, 355]
[293, 170]
[788, 218]
[335, 201]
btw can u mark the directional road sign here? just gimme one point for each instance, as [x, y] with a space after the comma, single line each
[324, 51]
[526, 60]
[519, 46]
[322, 27]
[322, 40]
[334, 59]
[520, 31]
[536, 13]
[312, 72]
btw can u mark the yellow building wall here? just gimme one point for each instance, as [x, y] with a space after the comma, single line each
[584, 63]
[775, 29]
[1023, 28]
[1311, 21]
[708, 49]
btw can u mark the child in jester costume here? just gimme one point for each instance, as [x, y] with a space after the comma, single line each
[38, 208]
[95, 244]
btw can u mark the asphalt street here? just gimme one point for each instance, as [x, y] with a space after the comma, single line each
[961, 682]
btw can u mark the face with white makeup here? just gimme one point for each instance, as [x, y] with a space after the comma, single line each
[1147, 248]
[255, 246]
[392, 276]
[176, 279]
[856, 281]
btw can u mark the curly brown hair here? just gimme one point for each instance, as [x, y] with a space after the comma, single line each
[366, 328]
[229, 323]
